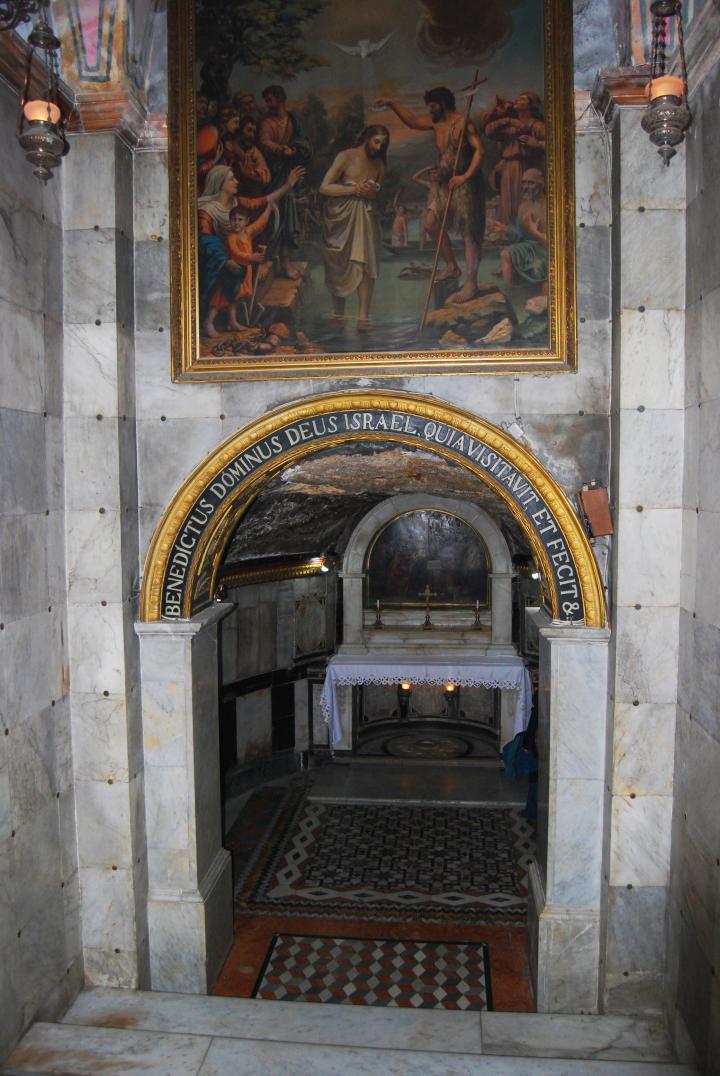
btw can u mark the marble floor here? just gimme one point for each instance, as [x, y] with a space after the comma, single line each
[127, 1032]
[388, 781]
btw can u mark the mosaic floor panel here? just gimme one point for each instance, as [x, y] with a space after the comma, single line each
[372, 971]
[389, 861]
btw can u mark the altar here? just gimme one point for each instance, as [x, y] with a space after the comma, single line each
[507, 672]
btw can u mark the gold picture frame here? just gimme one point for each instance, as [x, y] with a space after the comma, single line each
[261, 351]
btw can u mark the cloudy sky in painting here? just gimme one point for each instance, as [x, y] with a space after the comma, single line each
[403, 69]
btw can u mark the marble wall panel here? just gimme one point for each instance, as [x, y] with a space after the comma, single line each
[698, 756]
[636, 928]
[648, 544]
[23, 250]
[23, 488]
[652, 369]
[151, 196]
[703, 675]
[709, 386]
[96, 646]
[691, 470]
[647, 663]
[89, 260]
[90, 369]
[588, 390]
[91, 457]
[53, 368]
[31, 749]
[88, 183]
[644, 179]
[592, 178]
[593, 272]
[707, 591]
[24, 584]
[653, 439]
[640, 841]
[108, 912]
[94, 565]
[574, 875]
[644, 749]
[709, 455]
[36, 868]
[114, 967]
[152, 299]
[168, 451]
[103, 820]
[53, 277]
[22, 372]
[156, 393]
[34, 642]
[652, 252]
[166, 803]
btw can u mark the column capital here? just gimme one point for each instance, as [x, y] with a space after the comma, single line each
[206, 618]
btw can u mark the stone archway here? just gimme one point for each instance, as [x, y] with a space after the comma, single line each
[354, 559]
[188, 546]
[189, 893]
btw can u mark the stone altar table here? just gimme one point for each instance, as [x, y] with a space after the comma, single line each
[496, 671]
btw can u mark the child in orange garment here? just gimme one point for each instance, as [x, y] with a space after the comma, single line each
[239, 244]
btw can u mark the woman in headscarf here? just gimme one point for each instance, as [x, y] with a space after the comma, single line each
[220, 277]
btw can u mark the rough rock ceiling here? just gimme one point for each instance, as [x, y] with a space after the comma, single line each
[316, 504]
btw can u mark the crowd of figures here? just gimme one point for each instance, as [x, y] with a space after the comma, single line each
[260, 194]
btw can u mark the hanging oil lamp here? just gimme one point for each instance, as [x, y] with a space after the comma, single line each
[41, 125]
[667, 116]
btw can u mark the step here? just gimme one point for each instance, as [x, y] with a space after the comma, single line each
[78, 1050]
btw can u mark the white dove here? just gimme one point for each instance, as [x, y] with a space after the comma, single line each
[364, 47]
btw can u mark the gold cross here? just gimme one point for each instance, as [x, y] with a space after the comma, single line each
[427, 594]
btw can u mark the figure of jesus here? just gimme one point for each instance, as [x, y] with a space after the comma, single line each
[468, 205]
[351, 237]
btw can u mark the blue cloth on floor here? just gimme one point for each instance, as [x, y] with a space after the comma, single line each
[517, 760]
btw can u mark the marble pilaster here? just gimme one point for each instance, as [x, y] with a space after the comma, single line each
[189, 872]
[567, 877]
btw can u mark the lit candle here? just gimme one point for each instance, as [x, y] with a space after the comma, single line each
[449, 688]
[406, 686]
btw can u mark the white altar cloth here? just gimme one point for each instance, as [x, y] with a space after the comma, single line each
[503, 672]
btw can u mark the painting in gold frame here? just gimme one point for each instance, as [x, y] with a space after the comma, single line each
[374, 188]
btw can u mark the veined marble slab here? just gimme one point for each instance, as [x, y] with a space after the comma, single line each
[57, 1048]
[592, 1038]
[286, 1021]
[226, 1057]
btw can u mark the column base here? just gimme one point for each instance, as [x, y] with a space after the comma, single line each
[191, 931]
[564, 953]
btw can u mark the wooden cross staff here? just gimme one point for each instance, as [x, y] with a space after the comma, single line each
[441, 234]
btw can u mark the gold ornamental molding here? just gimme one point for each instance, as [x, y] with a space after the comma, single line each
[185, 556]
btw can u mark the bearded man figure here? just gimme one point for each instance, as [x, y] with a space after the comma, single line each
[467, 215]
[351, 237]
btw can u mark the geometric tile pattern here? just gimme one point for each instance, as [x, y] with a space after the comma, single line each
[390, 861]
[364, 971]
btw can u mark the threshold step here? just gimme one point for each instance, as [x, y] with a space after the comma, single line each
[76, 1050]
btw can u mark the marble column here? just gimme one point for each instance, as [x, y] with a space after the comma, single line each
[501, 590]
[101, 542]
[567, 878]
[352, 583]
[190, 879]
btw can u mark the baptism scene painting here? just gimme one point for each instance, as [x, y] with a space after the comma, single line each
[379, 185]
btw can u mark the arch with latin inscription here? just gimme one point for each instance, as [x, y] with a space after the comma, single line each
[188, 546]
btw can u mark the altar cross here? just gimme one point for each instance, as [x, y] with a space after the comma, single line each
[427, 594]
